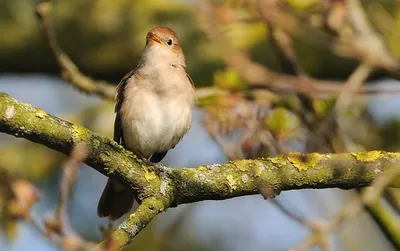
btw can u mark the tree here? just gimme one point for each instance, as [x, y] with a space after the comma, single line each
[325, 122]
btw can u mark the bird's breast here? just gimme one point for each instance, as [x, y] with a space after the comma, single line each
[154, 123]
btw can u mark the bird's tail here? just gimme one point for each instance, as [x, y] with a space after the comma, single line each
[116, 200]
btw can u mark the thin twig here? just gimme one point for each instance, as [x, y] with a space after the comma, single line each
[367, 45]
[285, 43]
[70, 170]
[259, 75]
[70, 71]
[58, 230]
[290, 214]
[354, 208]
[352, 85]
[333, 120]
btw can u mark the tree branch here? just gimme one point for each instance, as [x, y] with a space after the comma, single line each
[387, 219]
[70, 71]
[259, 75]
[185, 185]
[137, 221]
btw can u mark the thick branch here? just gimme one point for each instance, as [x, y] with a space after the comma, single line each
[147, 210]
[107, 157]
[177, 186]
[284, 172]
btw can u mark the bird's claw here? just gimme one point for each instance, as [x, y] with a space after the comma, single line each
[158, 167]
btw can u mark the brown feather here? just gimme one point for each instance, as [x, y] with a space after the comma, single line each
[117, 199]
[191, 81]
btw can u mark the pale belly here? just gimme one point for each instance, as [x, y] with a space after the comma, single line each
[157, 126]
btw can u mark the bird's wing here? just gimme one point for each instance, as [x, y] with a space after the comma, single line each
[120, 98]
[190, 80]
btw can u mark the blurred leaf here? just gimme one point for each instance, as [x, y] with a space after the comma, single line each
[29, 160]
[282, 122]
[323, 107]
[229, 79]
[244, 35]
[302, 4]
[395, 35]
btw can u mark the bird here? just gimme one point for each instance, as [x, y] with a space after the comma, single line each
[154, 104]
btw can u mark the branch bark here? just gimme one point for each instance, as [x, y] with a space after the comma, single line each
[185, 185]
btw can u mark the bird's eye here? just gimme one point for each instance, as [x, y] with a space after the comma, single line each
[169, 42]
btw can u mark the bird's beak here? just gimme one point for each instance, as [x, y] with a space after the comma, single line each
[154, 38]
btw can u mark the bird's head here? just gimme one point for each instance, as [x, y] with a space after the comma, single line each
[162, 45]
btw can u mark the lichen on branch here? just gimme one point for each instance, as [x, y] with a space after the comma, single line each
[172, 186]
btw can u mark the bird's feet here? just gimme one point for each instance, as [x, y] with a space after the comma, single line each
[158, 167]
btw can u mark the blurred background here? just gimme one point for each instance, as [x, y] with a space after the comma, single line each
[272, 76]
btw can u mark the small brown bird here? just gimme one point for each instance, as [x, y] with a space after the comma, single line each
[153, 111]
